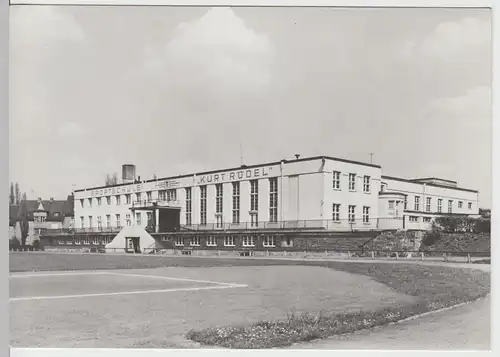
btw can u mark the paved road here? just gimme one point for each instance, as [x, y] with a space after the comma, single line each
[463, 328]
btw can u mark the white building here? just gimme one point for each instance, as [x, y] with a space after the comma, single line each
[315, 193]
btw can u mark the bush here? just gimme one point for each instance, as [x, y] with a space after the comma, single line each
[483, 225]
[430, 238]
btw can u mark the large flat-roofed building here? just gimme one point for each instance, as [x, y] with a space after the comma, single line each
[322, 193]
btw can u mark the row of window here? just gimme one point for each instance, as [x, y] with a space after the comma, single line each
[87, 241]
[229, 241]
[117, 220]
[351, 213]
[428, 203]
[164, 195]
[416, 219]
[352, 182]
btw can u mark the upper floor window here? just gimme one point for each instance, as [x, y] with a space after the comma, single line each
[366, 184]
[352, 182]
[336, 180]
[417, 203]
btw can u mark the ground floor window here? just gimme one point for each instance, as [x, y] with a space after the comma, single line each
[427, 219]
[95, 241]
[413, 219]
[366, 215]
[77, 241]
[248, 241]
[211, 241]
[269, 241]
[195, 241]
[352, 212]
[179, 241]
[229, 241]
[61, 242]
[86, 240]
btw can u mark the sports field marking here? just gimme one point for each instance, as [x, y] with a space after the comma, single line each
[173, 278]
[128, 292]
[54, 274]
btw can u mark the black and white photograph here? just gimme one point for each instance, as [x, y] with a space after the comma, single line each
[250, 177]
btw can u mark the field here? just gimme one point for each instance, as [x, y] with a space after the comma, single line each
[145, 301]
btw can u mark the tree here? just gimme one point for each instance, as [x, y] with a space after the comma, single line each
[12, 197]
[111, 179]
[23, 219]
[18, 194]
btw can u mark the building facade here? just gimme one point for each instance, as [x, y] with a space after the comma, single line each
[316, 193]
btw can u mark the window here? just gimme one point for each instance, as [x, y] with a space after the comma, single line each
[90, 202]
[189, 207]
[172, 195]
[352, 182]
[128, 220]
[203, 205]
[366, 184]
[460, 204]
[413, 218]
[470, 205]
[336, 212]
[86, 240]
[366, 214]
[81, 202]
[406, 202]
[269, 241]
[138, 218]
[149, 196]
[128, 199]
[336, 180]
[149, 218]
[391, 205]
[162, 195]
[236, 202]
[440, 205]
[179, 241]
[427, 204]
[99, 222]
[77, 241]
[427, 219]
[254, 202]
[95, 241]
[138, 197]
[417, 203]
[118, 223]
[194, 241]
[108, 200]
[98, 201]
[117, 198]
[229, 241]
[248, 241]
[450, 206]
[82, 221]
[352, 213]
[90, 221]
[108, 220]
[218, 204]
[211, 241]
[273, 199]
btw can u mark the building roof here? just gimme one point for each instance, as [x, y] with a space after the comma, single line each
[427, 183]
[56, 210]
[312, 158]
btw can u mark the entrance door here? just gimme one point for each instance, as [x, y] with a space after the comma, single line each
[133, 245]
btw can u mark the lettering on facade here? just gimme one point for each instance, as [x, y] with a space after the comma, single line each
[135, 188]
[245, 174]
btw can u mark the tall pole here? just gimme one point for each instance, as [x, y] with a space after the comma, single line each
[371, 158]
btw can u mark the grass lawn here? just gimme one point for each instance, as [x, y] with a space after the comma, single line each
[433, 287]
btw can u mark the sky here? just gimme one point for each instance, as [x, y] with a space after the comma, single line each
[177, 90]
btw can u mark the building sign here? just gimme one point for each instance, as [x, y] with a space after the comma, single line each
[237, 175]
[134, 188]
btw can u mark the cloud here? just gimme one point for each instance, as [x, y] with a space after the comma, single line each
[43, 26]
[217, 53]
[69, 129]
[450, 40]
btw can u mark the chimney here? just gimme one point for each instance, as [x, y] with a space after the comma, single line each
[297, 156]
[51, 199]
